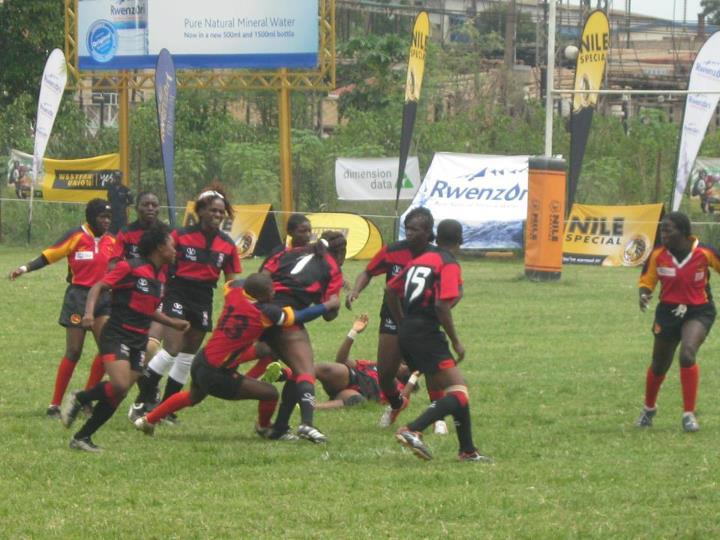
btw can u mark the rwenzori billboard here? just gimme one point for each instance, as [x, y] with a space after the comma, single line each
[129, 34]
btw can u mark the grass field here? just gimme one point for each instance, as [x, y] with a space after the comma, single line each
[556, 373]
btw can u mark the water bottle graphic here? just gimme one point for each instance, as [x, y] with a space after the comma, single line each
[129, 17]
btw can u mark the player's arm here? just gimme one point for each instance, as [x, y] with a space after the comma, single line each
[443, 310]
[36, 264]
[61, 248]
[343, 354]
[361, 282]
[446, 296]
[177, 324]
[648, 280]
[95, 291]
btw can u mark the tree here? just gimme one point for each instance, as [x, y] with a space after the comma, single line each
[711, 10]
[29, 31]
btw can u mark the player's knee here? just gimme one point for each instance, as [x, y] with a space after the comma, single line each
[355, 399]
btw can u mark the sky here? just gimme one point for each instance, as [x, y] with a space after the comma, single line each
[661, 8]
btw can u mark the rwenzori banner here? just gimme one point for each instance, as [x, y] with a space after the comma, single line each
[699, 109]
[373, 179]
[129, 34]
[487, 194]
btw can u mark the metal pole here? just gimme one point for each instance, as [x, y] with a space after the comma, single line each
[550, 80]
[124, 128]
[286, 196]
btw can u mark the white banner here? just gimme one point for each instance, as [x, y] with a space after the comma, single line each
[487, 194]
[129, 34]
[699, 109]
[51, 92]
[373, 179]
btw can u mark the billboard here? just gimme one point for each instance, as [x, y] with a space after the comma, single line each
[487, 194]
[374, 179]
[129, 34]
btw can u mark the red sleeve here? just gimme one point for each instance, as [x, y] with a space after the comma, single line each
[116, 275]
[397, 284]
[119, 247]
[232, 264]
[379, 263]
[271, 265]
[336, 279]
[450, 281]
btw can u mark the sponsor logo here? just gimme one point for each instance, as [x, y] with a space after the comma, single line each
[177, 308]
[599, 231]
[444, 190]
[143, 285]
[666, 271]
[396, 269]
[102, 41]
[84, 255]
[124, 350]
[220, 259]
[205, 318]
[699, 276]
[191, 254]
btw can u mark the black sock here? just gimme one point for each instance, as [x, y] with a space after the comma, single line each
[306, 396]
[102, 412]
[394, 400]
[171, 387]
[96, 393]
[463, 427]
[436, 411]
[148, 385]
[288, 399]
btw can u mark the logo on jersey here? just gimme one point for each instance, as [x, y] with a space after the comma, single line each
[177, 308]
[666, 271]
[205, 318]
[220, 259]
[124, 350]
[143, 285]
[191, 254]
[396, 269]
[84, 255]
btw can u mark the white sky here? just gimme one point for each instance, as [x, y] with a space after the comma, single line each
[661, 8]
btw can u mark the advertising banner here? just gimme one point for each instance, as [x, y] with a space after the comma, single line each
[589, 70]
[64, 180]
[165, 92]
[611, 235]
[363, 237]
[413, 84]
[705, 182]
[699, 109]
[373, 179]
[129, 34]
[487, 194]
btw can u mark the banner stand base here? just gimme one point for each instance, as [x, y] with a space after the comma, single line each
[542, 275]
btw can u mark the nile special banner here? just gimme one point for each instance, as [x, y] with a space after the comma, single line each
[413, 84]
[699, 110]
[610, 235]
[373, 179]
[589, 71]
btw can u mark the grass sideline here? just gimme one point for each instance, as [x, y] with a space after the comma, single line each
[556, 372]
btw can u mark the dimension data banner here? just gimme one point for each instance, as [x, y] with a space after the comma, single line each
[373, 179]
[129, 34]
[610, 235]
[487, 194]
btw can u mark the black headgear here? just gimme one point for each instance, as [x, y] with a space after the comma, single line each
[94, 208]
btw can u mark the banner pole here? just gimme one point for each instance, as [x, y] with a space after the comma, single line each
[124, 128]
[284, 120]
[550, 75]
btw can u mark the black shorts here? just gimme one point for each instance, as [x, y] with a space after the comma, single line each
[218, 382]
[73, 306]
[387, 323]
[123, 345]
[424, 346]
[191, 305]
[670, 318]
[364, 384]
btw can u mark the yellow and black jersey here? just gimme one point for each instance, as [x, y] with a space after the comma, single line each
[87, 255]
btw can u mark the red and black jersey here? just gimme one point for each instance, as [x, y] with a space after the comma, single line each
[87, 255]
[241, 323]
[202, 256]
[128, 240]
[390, 260]
[434, 275]
[301, 278]
[681, 282]
[137, 289]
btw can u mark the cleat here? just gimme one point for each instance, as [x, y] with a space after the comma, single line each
[142, 424]
[85, 444]
[690, 423]
[385, 418]
[87, 410]
[413, 441]
[136, 411]
[474, 456]
[70, 409]
[53, 412]
[280, 435]
[311, 434]
[264, 432]
[646, 418]
[440, 428]
[272, 372]
[171, 420]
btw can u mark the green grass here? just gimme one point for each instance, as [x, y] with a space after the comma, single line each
[556, 373]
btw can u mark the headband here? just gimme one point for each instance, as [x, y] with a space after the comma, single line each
[210, 193]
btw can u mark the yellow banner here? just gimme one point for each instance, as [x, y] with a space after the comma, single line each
[79, 180]
[610, 235]
[590, 66]
[416, 63]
